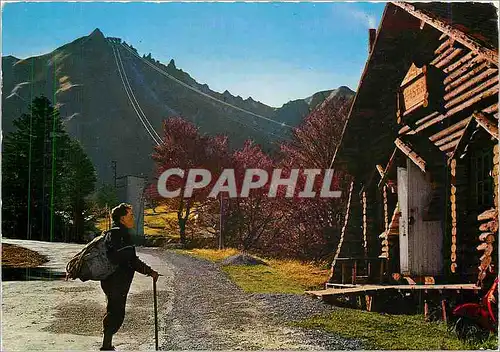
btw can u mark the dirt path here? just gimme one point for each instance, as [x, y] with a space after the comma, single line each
[199, 308]
[211, 313]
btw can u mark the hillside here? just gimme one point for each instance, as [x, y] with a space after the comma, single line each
[83, 80]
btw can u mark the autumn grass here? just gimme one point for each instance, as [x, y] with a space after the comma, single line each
[212, 255]
[279, 276]
[390, 332]
[154, 222]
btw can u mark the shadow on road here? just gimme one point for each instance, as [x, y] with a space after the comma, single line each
[30, 274]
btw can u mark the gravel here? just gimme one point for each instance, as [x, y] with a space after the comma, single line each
[210, 312]
[242, 259]
[291, 307]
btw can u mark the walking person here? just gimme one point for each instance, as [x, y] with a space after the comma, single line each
[121, 251]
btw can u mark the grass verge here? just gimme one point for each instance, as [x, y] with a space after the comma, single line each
[391, 332]
[377, 331]
[280, 276]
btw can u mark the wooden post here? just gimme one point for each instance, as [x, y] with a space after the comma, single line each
[343, 273]
[386, 211]
[381, 270]
[426, 310]
[443, 308]
[354, 268]
[346, 221]
[369, 300]
[453, 207]
[365, 244]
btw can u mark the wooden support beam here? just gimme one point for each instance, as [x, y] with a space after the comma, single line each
[388, 167]
[419, 161]
[488, 124]
[445, 28]
[464, 138]
[380, 170]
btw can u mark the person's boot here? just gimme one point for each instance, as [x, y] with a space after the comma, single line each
[106, 343]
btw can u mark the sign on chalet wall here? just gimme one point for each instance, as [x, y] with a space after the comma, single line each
[420, 93]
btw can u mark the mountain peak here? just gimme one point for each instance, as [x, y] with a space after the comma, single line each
[96, 33]
[171, 64]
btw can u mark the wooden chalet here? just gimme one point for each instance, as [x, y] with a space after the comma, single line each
[421, 142]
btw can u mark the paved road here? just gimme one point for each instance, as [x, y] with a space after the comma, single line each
[199, 308]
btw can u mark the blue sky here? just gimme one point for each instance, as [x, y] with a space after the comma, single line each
[274, 52]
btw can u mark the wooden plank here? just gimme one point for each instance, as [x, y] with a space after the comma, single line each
[442, 55]
[425, 238]
[459, 125]
[369, 288]
[402, 174]
[449, 58]
[450, 138]
[486, 94]
[464, 78]
[446, 44]
[488, 215]
[457, 72]
[488, 124]
[449, 146]
[419, 161]
[488, 237]
[470, 93]
[467, 58]
[445, 28]
[470, 83]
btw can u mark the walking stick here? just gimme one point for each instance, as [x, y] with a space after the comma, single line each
[156, 315]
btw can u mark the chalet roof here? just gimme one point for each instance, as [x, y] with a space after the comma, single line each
[473, 24]
[371, 128]
[477, 20]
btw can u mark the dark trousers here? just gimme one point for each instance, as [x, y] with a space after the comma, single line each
[116, 289]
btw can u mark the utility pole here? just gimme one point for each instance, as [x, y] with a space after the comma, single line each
[220, 223]
[113, 162]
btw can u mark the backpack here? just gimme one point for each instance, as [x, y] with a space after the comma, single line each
[92, 262]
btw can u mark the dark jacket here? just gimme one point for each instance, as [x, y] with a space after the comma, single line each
[121, 251]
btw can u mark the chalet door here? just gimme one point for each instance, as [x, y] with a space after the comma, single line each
[425, 238]
[403, 220]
